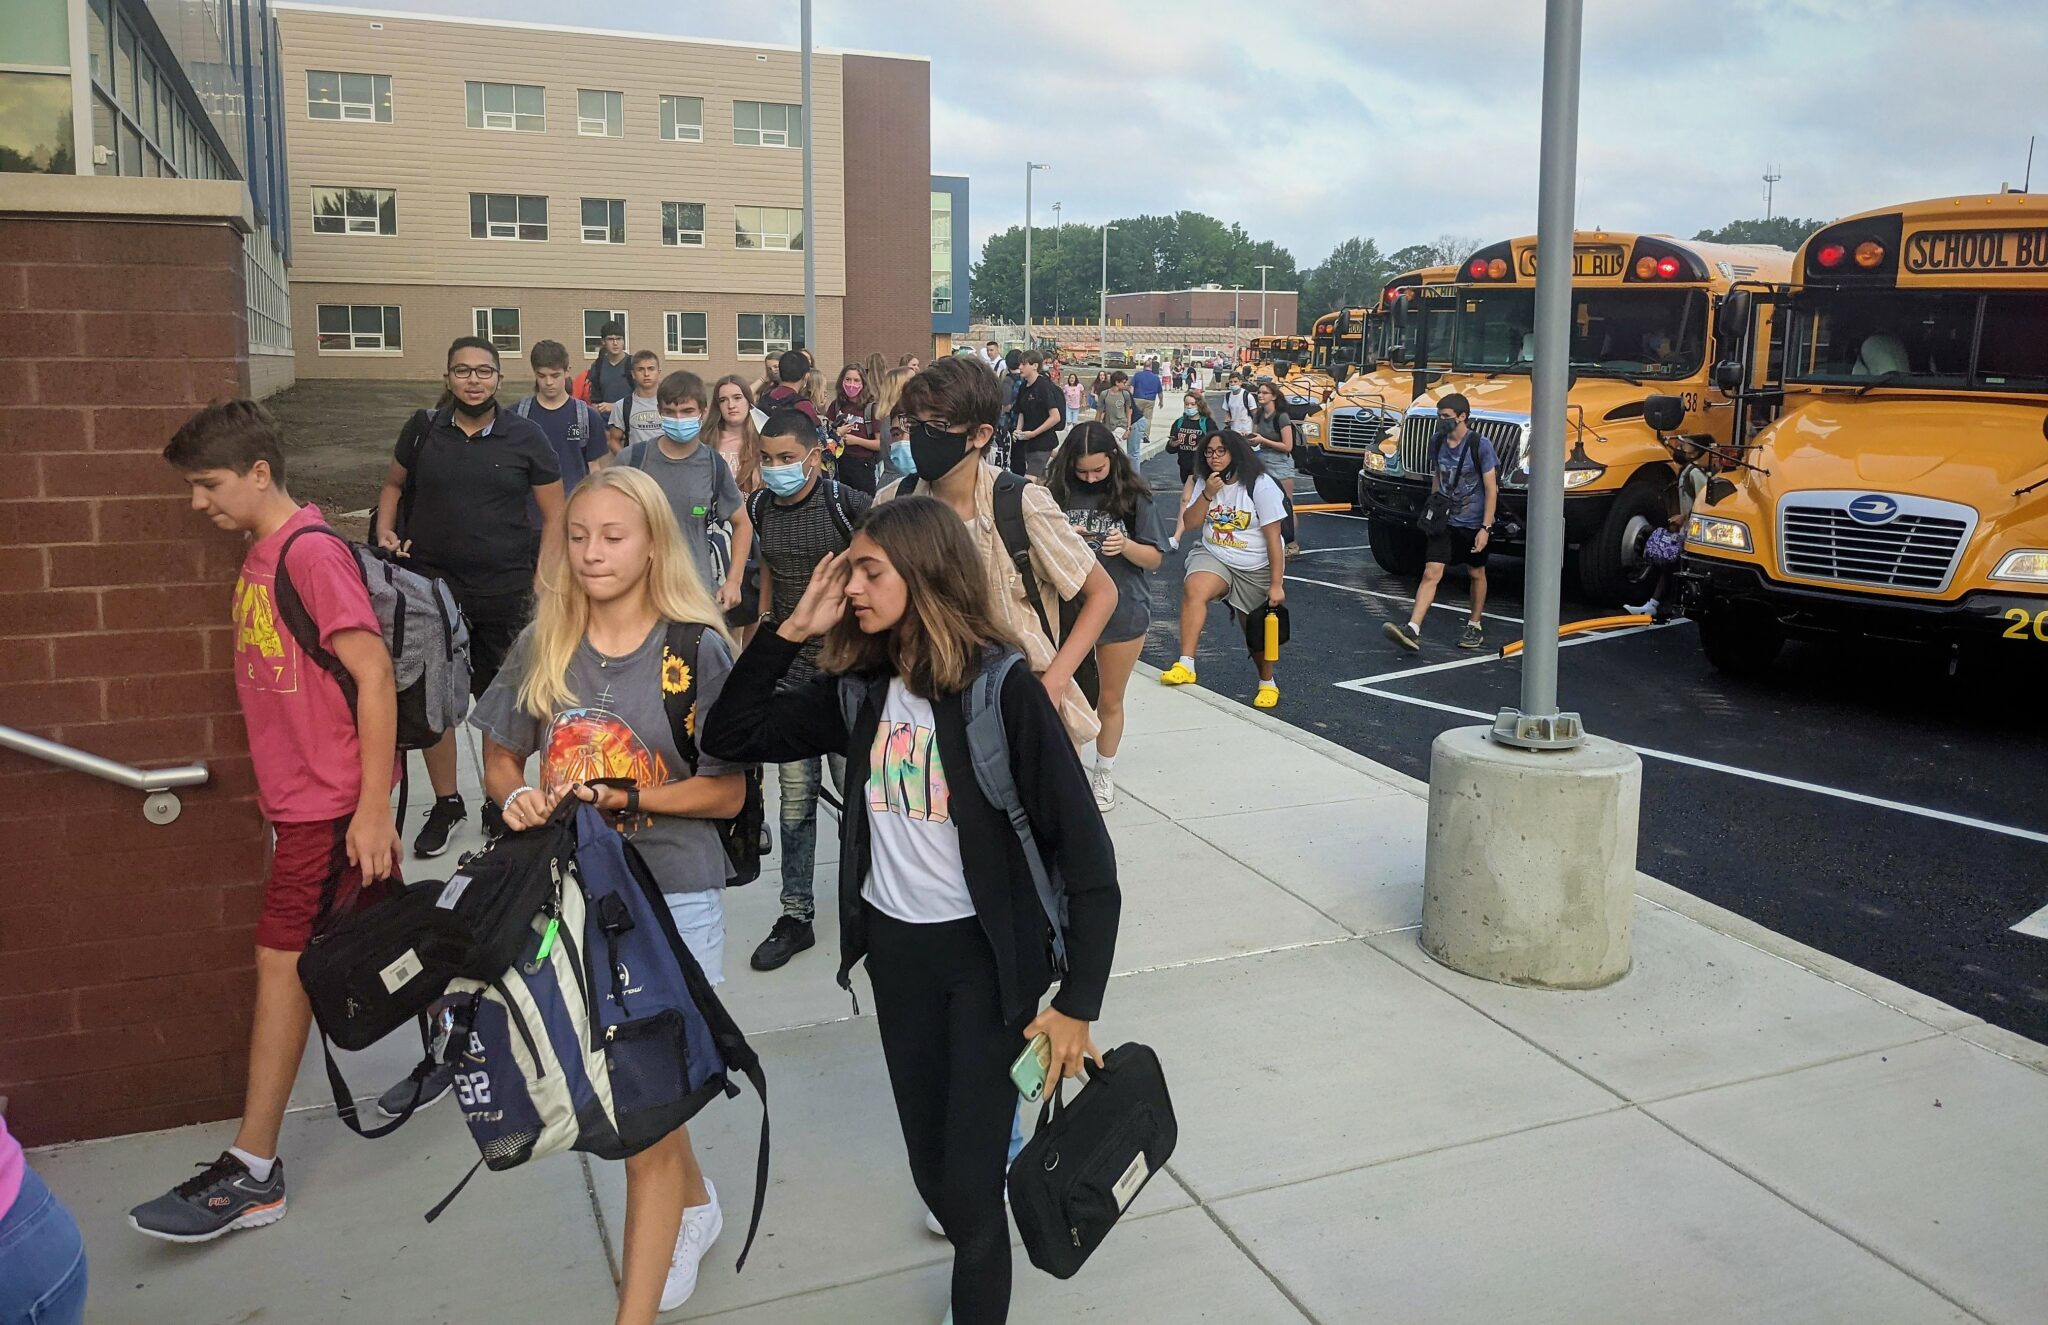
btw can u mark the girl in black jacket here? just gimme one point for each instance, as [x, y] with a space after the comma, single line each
[933, 886]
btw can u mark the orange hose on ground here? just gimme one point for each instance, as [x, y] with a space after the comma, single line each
[1581, 627]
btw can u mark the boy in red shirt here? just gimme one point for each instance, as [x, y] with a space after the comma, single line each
[323, 781]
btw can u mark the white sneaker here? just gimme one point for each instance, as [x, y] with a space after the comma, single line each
[1104, 789]
[1648, 608]
[931, 1222]
[701, 1226]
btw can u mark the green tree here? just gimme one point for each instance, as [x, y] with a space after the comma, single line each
[1787, 232]
[1145, 253]
[1351, 277]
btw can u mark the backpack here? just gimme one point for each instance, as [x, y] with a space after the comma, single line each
[422, 627]
[603, 1035]
[594, 423]
[717, 533]
[988, 749]
[741, 834]
[760, 501]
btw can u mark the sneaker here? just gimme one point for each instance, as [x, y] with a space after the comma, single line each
[1403, 634]
[789, 937]
[1294, 549]
[1267, 698]
[701, 1226]
[429, 1081]
[443, 817]
[222, 1197]
[1180, 674]
[1472, 637]
[1105, 790]
[1646, 608]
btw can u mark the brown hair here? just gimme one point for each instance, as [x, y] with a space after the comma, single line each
[947, 619]
[868, 380]
[963, 394]
[231, 434]
[679, 386]
[748, 475]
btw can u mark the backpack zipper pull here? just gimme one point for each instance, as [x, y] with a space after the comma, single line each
[547, 941]
[1075, 1234]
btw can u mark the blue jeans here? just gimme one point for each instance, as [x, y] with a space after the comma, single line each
[42, 1259]
[799, 781]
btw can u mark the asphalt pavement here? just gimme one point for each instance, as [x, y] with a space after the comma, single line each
[1863, 799]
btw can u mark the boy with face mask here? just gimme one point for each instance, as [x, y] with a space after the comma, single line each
[696, 480]
[1463, 467]
[800, 516]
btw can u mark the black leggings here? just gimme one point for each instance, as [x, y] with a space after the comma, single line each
[949, 1053]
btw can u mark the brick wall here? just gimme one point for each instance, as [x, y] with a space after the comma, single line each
[1208, 308]
[888, 207]
[125, 948]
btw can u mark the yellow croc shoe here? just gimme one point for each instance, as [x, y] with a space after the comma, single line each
[1267, 698]
[1180, 674]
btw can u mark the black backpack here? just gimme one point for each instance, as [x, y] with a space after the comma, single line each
[740, 834]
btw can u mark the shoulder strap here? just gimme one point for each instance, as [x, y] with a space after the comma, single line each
[680, 649]
[291, 609]
[1009, 511]
[988, 747]
[636, 454]
[906, 485]
[854, 692]
[757, 506]
[835, 502]
[524, 407]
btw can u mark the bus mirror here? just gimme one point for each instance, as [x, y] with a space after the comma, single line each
[1728, 377]
[1664, 413]
[1397, 352]
[1343, 373]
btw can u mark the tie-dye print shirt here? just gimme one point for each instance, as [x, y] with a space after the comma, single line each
[916, 874]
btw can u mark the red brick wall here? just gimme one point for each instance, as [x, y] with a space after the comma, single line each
[1208, 308]
[888, 207]
[125, 949]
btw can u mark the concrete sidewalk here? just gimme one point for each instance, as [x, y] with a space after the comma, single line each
[1740, 1130]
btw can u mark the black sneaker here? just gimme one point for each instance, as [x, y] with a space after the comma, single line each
[443, 817]
[222, 1197]
[429, 1081]
[1403, 634]
[1472, 637]
[789, 937]
[493, 819]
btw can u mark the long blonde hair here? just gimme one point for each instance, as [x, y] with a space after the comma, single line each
[561, 612]
[887, 394]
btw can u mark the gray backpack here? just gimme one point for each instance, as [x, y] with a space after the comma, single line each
[988, 749]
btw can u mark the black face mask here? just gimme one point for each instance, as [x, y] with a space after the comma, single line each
[934, 451]
[1083, 485]
[1444, 429]
[477, 411]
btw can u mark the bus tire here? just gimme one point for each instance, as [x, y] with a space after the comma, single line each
[1336, 488]
[1397, 548]
[1612, 568]
[1740, 639]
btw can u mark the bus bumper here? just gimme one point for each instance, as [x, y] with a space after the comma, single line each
[1810, 612]
[1324, 463]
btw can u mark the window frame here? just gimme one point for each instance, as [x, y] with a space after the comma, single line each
[516, 224]
[792, 234]
[614, 222]
[610, 124]
[349, 228]
[389, 333]
[673, 340]
[593, 344]
[764, 344]
[671, 224]
[486, 324]
[479, 115]
[380, 98]
[670, 124]
[792, 115]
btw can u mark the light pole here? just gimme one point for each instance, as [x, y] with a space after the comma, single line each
[810, 218]
[1102, 350]
[1029, 166]
[1055, 262]
[1263, 267]
[1236, 350]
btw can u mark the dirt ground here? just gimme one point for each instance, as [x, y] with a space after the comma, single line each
[338, 438]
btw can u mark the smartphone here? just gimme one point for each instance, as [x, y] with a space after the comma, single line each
[1028, 1073]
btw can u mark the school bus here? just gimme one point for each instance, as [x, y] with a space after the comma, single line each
[1645, 320]
[1375, 361]
[1896, 485]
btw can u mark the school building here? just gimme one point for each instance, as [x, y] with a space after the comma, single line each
[1210, 306]
[527, 181]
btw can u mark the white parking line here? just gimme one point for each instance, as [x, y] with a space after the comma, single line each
[1349, 547]
[1360, 683]
[1401, 598]
[2034, 926]
[2039, 918]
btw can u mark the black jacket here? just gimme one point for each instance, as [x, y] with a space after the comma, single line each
[753, 722]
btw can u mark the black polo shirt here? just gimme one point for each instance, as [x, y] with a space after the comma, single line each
[465, 503]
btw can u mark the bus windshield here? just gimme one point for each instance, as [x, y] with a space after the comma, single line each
[1907, 338]
[1615, 333]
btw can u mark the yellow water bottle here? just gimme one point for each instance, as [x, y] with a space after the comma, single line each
[1272, 636]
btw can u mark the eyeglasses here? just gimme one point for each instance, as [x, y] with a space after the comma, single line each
[462, 372]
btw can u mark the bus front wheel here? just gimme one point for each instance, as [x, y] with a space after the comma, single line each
[1612, 567]
[1397, 548]
[1740, 639]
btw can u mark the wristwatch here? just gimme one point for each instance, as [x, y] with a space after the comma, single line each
[632, 800]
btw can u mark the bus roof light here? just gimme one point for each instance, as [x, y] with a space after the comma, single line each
[1497, 269]
[1831, 255]
[1646, 267]
[1869, 253]
[1478, 269]
[1667, 268]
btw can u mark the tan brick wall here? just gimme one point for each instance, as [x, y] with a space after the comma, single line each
[1209, 308]
[888, 194]
[125, 948]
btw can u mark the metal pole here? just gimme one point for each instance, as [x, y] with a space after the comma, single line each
[1264, 267]
[1236, 350]
[1055, 262]
[1102, 350]
[810, 211]
[1539, 725]
[1029, 166]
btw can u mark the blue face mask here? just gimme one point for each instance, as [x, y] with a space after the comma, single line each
[680, 430]
[784, 480]
[900, 458]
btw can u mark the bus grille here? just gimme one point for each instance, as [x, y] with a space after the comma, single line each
[1417, 430]
[1356, 431]
[1917, 549]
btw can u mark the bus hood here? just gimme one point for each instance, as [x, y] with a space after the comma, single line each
[1599, 397]
[1982, 449]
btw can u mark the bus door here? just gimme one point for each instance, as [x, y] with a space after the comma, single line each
[1749, 359]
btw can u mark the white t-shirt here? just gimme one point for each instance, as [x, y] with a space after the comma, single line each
[916, 874]
[1234, 529]
[639, 417]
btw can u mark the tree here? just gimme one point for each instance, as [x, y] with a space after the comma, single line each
[1173, 252]
[1351, 277]
[1786, 232]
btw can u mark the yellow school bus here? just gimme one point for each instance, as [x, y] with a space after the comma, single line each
[1645, 320]
[1897, 485]
[1374, 360]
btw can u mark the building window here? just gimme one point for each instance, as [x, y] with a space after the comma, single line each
[519, 107]
[942, 252]
[769, 333]
[600, 114]
[344, 211]
[604, 220]
[767, 124]
[499, 326]
[768, 227]
[686, 335]
[593, 328]
[35, 123]
[682, 119]
[358, 329]
[508, 216]
[338, 96]
[683, 223]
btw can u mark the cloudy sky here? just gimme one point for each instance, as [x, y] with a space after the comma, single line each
[1309, 121]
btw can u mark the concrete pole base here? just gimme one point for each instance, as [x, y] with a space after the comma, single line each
[1531, 865]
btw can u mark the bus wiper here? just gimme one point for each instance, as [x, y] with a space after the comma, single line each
[1596, 370]
[1882, 379]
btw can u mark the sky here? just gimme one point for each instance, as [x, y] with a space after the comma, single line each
[1310, 121]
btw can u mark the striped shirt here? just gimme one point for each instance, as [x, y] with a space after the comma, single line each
[793, 540]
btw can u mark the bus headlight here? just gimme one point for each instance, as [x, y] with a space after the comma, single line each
[1715, 532]
[1312, 429]
[1376, 462]
[2030, 564]
[1579, 478]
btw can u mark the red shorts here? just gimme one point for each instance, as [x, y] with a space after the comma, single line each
[310, 876]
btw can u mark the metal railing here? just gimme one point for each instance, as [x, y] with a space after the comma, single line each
[159, 805]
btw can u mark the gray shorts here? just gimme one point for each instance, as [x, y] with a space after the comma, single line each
[1248, 588]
